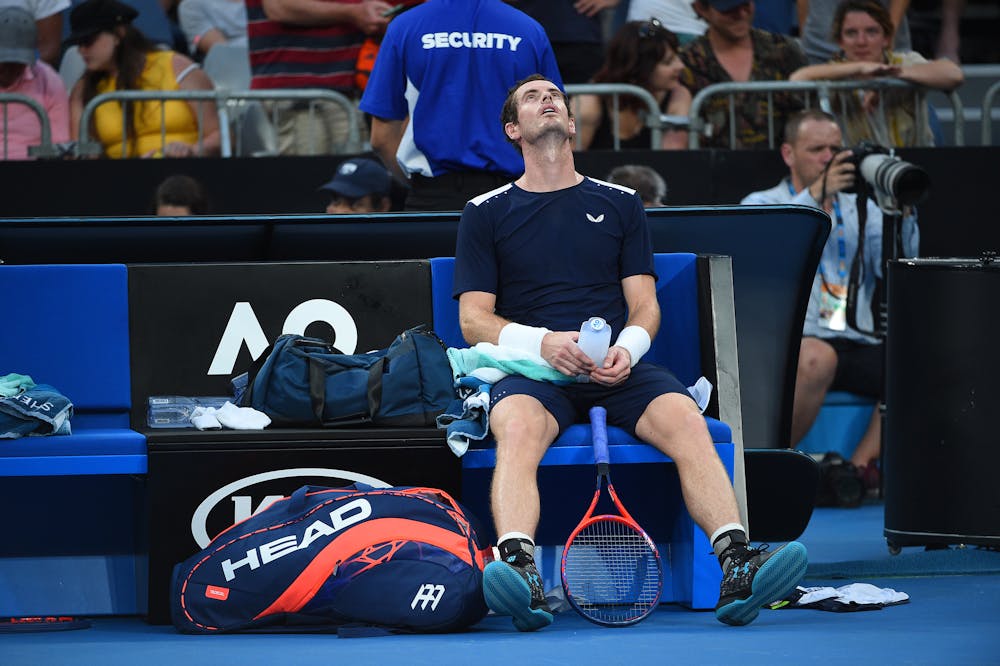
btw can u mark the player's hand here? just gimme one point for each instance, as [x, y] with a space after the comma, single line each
[559, 348]
[616, 369]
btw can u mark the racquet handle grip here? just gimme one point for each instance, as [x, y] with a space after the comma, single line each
[599, 431]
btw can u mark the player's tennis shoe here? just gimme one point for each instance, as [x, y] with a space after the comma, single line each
[517, 591]
[756, 578]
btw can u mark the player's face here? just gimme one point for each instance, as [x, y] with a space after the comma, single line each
[542, 109]
[862, 38]
[816, 144]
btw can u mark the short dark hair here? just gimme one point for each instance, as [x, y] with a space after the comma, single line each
[181, 190]
[644, 180]
[873, 8]
[794, 122]
[508, 114]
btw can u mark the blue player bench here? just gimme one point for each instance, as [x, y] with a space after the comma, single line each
[697, 337]
[68, 327]
[76, 495]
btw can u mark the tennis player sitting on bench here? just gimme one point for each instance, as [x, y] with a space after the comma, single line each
[535, 258]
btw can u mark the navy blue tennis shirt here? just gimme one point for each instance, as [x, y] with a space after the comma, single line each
[554, 259]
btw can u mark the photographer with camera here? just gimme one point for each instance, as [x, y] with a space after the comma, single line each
[839, 351]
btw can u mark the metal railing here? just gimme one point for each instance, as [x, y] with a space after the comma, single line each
[822, 90]
[987, 117]
[655, 121]
[224, 102]
[45, 148]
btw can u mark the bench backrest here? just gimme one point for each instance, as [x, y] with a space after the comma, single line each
[67, 326]
[677, 345]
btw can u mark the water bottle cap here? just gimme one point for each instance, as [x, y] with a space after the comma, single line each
[596, 323]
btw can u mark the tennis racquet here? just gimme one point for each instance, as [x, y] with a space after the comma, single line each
[611, 570]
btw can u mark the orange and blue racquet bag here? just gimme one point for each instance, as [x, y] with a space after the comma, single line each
[403, 559]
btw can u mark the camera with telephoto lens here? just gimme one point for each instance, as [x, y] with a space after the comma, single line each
[878, 169]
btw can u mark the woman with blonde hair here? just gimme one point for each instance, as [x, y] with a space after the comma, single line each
[119, 57]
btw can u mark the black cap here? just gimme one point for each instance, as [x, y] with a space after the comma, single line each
[94, 16]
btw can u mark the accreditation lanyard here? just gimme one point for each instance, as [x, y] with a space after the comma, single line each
[841, 240]
[833, 297]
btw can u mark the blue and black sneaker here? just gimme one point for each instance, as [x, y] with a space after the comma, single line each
[754, 578]
[514, 587]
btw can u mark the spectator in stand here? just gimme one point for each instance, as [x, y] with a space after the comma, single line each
[732, 50]
[119, 57]
[206, 23]
[834, 356]
[863, 30]
[816, 17]
[643, 53]
[575, 32]
[309, 44]
[361, 185]
[21, 74]
[677, 16]
[180, 195]
[435, 92]
[48, 18]
[648, 184]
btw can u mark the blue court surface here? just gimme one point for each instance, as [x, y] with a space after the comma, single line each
[952, 618]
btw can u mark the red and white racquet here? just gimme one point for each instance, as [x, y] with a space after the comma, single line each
[611, 570]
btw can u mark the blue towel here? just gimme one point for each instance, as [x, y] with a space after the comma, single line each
[467, 417]
[41, 410]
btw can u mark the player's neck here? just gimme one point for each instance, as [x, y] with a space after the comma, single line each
[549, 168]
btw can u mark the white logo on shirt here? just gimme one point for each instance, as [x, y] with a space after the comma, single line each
[599, 218]
[469, 40]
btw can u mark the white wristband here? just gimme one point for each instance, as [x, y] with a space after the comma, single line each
[525, 338]
[636, 340]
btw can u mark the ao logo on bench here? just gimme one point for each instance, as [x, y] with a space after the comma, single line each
[243, 327]
[241, 494]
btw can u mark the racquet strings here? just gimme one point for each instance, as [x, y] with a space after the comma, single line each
[612, 572]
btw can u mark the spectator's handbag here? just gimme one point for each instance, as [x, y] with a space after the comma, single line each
[403, 559]
[305, 382]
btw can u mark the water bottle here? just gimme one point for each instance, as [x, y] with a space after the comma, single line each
[174, 411]
[595, 338]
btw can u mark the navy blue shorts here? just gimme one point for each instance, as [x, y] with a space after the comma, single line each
[570, 404]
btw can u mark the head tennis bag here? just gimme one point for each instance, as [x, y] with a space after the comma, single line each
[304, 381]
[401, 558]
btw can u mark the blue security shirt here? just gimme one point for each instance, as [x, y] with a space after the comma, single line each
[447, 65]
[553, 259]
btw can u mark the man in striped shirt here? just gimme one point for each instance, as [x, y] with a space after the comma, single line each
[297, 44]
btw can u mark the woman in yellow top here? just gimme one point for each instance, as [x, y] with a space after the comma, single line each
[863, 30]
[119, 57]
